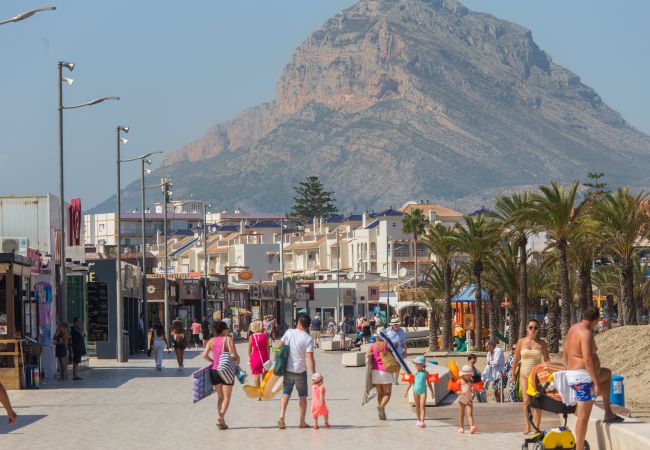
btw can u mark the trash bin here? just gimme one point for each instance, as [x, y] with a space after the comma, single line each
[617, 391]
[125, 346]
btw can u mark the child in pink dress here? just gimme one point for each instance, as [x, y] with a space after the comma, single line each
[318, 405]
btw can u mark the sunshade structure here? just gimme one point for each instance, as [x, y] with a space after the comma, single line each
[468, 294]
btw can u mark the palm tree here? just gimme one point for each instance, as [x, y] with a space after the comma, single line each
[414, 222]
[554, 210]
[440, 241]
[501, 275]
[477, 238]
[622, 220]
[435, 289]
[512, 211]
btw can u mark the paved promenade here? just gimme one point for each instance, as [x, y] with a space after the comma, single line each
[134, 407]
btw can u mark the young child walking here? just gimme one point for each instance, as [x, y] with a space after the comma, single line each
[465, 399]
[420, 385]
[318, 405]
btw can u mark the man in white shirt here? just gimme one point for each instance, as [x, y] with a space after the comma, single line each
[494, 369]
[301, 355]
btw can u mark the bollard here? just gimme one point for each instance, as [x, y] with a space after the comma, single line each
[617, 391]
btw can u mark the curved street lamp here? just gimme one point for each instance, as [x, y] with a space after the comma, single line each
[70, 66]
[26, 15]
[144, 159]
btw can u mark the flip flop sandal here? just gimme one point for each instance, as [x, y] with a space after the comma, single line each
[281, 424]
[615, 419]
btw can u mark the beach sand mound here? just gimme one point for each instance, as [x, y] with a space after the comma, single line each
[626, 351]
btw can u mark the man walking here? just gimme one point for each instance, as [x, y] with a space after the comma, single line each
[316, 327]
[398, 337]
[301, 355]
[495, 369]
[584, 376]
[78, 347]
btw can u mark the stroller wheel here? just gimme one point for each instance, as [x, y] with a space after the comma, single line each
[538, 446]
[586, 445]
[524, 446]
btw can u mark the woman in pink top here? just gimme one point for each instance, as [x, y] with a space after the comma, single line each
[219, 343]
[381, 380]
[258, 352]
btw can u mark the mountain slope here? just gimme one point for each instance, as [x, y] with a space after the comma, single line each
[393, 100]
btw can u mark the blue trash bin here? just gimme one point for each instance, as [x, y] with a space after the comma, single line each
[617, 391]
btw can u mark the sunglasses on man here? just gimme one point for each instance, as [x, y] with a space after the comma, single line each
[533, 327]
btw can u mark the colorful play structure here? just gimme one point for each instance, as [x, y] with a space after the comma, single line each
[464, 307]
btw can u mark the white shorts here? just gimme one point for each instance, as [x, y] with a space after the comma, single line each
[379, 377]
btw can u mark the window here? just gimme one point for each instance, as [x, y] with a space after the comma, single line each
[102, 227]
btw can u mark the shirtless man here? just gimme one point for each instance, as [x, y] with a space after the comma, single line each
[581, 358]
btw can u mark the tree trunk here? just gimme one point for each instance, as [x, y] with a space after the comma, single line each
[627, 285]
[415, 257]
[565, 300]
[513, 325]
[478, 320]
[552, 333]
[584, 289]
[492, 318]
[447, 315]
[522, 295]
[433, 330]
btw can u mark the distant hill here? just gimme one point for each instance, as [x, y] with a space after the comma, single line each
[393, 100]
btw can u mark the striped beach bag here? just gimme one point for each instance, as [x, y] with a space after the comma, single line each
[227, 368]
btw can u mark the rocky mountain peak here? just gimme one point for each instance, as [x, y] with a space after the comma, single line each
[443, 102]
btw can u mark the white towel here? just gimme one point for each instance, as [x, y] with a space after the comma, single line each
[564, 379]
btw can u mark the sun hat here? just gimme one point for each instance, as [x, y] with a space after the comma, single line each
[316, 377]
[419, 360]
[466, 370]
[379, 330]
[394, 321]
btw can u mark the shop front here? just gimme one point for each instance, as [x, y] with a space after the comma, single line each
[19, 324]
[190, 295]
[102, 308]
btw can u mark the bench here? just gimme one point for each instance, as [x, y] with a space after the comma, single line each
[353, 359]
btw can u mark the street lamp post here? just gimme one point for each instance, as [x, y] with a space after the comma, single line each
[26, 15]
[283, 311]
[63, 311]
[338, 273]
[143, 160]
[119, 322]
[166, 184]
[389, 268]
[205, 260]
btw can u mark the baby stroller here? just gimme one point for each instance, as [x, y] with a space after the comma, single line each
[543, 396]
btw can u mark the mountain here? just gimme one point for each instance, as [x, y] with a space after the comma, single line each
[393, 100]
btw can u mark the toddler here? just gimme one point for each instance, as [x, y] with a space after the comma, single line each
[465, 399]
[318, 405]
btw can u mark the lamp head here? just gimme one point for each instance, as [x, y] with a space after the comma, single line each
[147, 171]
[69, 81]
[68, 65]
[147, 161]
[124, 141]
[121, 128]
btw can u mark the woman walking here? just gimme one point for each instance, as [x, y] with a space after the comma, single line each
[530, 351]
[381, 380]
[258, 352]
[61, 338]
[179, 342]
[220, 343]
[158, 344]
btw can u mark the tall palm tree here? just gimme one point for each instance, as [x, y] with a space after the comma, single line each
[477, 238]
[554, 210]
[501, 275]
[512, 211]
[623, 219]
[606, 278]
[439, 239]
[414, 222]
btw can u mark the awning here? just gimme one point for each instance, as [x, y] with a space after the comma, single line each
[467, 295]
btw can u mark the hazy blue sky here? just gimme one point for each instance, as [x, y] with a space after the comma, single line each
[182, 66]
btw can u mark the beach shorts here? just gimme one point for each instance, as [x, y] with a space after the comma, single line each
[574, 386]
[299, 380]
[216, 378]
[381, 377]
